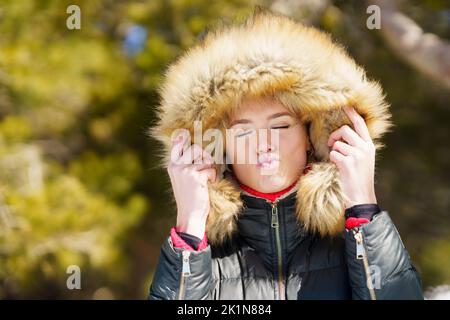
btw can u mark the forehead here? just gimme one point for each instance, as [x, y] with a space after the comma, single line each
[252, 108]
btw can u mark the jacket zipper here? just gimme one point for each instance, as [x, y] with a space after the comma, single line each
[185, 272]
[276, 226]
[361, 254]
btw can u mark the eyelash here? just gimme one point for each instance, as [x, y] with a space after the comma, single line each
[279, 127]
[243, 134]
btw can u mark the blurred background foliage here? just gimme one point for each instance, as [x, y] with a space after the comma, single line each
[80, 183]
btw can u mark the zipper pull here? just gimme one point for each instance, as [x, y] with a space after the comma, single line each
[186, 270]
[359, 245]
[274, 216]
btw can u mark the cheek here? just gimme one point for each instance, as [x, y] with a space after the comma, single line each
[293, 150]
[247, 174]
[243, 150]
[240, 152]
[294, 144]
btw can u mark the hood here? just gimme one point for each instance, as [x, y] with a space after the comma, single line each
[302, 67]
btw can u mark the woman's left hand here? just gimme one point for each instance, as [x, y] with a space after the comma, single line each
[355, 159]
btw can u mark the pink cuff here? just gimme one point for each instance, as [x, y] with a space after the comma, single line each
[178, 242]
[353, 222]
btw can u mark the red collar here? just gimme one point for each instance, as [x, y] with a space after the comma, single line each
[272, 196]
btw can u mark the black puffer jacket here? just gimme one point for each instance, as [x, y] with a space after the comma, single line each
[271, 257]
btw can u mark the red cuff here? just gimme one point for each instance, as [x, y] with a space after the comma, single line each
[178, 242]
[353, 222]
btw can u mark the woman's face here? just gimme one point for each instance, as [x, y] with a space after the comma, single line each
[273, 142]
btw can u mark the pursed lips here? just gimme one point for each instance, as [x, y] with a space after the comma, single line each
[268, 160]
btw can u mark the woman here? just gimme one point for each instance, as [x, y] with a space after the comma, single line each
[302, 220]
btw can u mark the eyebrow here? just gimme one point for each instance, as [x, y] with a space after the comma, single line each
[273, 116]
[279, 114]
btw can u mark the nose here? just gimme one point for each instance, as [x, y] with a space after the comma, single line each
[266, 141]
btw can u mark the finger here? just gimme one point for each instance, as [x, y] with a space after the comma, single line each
[337, 158]
[347, 134]
[191, 155]
[210, 174]
[207, 157]
[177, 148]
[344, 148]
[202, 166]
[358, 123]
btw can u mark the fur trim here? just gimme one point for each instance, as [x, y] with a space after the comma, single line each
[226, 204]
[300, 66]
[319, 200]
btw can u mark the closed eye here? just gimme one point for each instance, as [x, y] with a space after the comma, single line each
[281, 127]
[240, 135]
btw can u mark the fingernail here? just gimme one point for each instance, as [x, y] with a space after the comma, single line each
[175, 138]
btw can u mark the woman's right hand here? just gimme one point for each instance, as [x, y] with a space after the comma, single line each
[189, 183]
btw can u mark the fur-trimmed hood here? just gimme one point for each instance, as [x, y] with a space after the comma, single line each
[304, 69]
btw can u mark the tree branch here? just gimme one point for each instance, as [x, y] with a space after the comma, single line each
[426, 52]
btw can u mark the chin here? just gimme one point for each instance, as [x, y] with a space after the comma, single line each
[272, 183]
